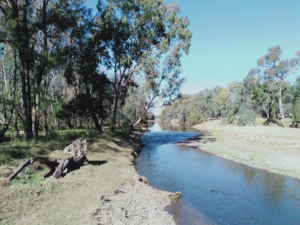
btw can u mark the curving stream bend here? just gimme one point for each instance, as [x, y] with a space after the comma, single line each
[215, 190]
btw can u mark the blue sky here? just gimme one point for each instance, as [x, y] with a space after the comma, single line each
[230, 35]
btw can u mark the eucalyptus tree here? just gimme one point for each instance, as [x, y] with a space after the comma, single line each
[83, 56]
[8, 88]
[262, 98]
[134, 105]
[29, 26]
[16, 30]
[145, 35]
[278, 70]
[296, 102]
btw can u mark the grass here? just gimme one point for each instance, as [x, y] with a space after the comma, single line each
[287, 122]
[14, 150]
[32, 199]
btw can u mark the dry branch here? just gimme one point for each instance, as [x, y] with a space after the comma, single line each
[78, 149]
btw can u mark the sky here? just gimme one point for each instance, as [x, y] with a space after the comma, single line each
[230, 35]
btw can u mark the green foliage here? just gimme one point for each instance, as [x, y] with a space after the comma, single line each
[296, 112]
[5, 159]
[278, 70]
[29, 176]
[261, 94]
[166, 114]
[195, 117]
[123, 120]
[246, 116]
[183, 116]
[273, 112]
[143, 32]
[228, 120]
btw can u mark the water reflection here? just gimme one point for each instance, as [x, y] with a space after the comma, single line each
[274, 186]
[171, 127]
[193, 217]
[216, 191]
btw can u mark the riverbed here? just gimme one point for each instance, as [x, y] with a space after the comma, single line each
[215, 190]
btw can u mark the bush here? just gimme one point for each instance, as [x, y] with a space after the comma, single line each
[230, 119]
[246, 116]
[296, 112]
[195, 117]
[227, 120]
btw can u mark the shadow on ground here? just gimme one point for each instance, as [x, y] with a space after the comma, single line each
[92, 162]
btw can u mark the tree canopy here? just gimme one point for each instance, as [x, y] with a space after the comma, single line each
[77, 68]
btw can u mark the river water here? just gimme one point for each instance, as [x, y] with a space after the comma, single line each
[215, 190]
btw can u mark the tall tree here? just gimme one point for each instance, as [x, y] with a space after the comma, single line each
[29, 26]
[8, 88]
[17, 30]
[85, 53]
[143, 33]
[278, 70]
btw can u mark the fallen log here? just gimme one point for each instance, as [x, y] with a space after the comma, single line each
[77, 149]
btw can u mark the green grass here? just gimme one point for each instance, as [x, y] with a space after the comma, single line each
[29, 176]
[14, 150]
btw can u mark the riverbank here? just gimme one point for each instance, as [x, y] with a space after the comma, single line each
[105, 191]
[274, 149]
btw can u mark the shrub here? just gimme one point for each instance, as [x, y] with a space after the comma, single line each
[195, 117]
[246, 116]
[228, 120]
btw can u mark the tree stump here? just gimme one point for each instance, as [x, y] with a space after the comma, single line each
[77, 149]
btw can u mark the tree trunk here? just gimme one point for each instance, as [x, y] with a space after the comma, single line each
[45, 127]
[78, 149]
[87, 125]
[5, 126]
[281, 112]
[268, 113]
[22, 38]
[115, 106]
[145, 111]
[69, 123]
[16, 134]
[2, 132]
[139, 120]
[26, 116]
[37, 114]
[61, 165]
[40, 73]
[94, 117]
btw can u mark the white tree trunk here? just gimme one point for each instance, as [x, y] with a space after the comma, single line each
[281, 112]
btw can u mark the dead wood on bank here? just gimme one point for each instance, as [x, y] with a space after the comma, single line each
[58, 165]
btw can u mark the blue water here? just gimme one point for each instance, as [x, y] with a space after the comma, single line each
[215, 191]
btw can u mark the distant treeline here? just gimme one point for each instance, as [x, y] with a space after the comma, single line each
[264, 92]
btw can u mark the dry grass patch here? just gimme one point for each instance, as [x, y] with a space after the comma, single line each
[31, 199]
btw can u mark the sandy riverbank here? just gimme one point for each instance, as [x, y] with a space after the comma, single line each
[274, 149]
[106, 192]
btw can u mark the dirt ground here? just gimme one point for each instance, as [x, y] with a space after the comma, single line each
[274, 149]
[106, 191]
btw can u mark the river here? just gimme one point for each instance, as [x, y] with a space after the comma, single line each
[215, 190]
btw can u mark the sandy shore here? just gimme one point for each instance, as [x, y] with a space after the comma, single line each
[274, 149]
[106, 192]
